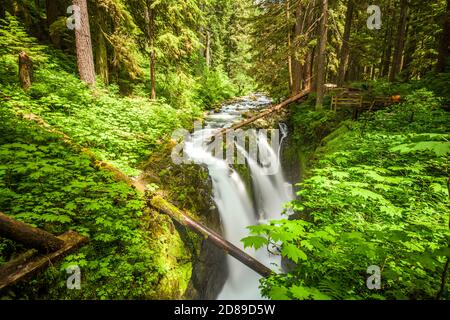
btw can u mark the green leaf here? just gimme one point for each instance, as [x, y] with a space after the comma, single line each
[293, 252]
[255, 242]
[305, 293]
[279, 293]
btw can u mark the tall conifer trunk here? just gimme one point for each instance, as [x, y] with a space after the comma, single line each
[400, 41]
[321, 55]
[444, 42]
[345, 49]
[150, 21]
[85, 57]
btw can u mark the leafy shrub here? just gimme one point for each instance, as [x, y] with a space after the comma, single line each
[45, 184]
[377, 196]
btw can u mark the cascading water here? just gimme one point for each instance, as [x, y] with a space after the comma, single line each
[236, 208]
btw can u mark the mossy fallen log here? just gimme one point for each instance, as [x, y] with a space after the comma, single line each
[159, 203]
[30, 263]
[28, 236]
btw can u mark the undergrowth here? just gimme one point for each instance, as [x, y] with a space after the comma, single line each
[376, 196]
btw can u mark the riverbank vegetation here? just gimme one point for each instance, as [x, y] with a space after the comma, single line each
[88, 107]
[375, 195]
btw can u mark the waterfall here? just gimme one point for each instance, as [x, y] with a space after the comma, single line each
[236, 207]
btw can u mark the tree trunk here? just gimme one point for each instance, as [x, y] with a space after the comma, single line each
[387, 52]
[29, 263]
[345, 49]
[444, 42]
[2, 10]
[150, 21]
[409, 52]
[162, 205]
[85, 57]
[289, 38]
[101, 58]
[54, 10]
[208, 49]
[307, 71]
[101, 50]
[25, 70]
[309, 59]
[296, 65]
[28, 236]
[321, 56]
[400, 41]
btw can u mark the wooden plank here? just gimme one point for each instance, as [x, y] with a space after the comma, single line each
[24, 267]
[27, 235]
[183, 218]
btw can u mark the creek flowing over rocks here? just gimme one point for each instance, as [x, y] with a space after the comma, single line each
[238, 206]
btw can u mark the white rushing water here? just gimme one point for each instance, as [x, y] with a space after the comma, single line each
[236, 207]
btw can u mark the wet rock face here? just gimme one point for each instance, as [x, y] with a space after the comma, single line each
[290, 161]
[189, 187]
[209, 273]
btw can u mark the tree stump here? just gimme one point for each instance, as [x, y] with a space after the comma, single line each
[25, 70]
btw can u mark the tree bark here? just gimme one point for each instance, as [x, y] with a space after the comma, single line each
[296, 65]
[2, 10]
[150, 21]
[28, 236]
[101, 58]
[345, 49]
[85, 57]
[307, 71]
[29, 264]
[101, 50]
[444, 43]
[400, 41]
[54, 10]
[309, 59]
[181, 217]
[208, 49]
[289, 39]
[387, 52]
[410, 48]
[25, 70]
[321, 56]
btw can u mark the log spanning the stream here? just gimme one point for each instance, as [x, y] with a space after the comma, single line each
[302, 95]
[181, 217]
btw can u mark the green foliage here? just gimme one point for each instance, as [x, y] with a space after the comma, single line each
[377, 196]
[47, 185]
[216, 87]
[120, 130]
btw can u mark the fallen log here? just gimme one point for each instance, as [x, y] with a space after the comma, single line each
[183, 218]
[28, 236]
[267, 112]
[17, 263]
[29, 264]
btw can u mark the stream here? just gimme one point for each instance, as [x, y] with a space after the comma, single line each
[239, 207]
